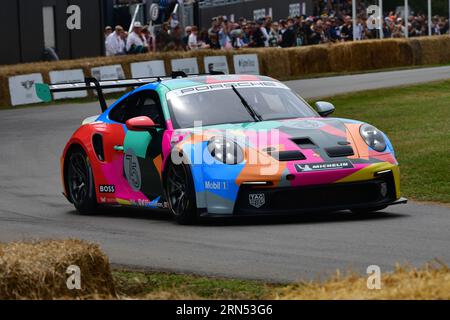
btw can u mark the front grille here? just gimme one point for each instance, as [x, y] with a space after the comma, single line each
[331, 196]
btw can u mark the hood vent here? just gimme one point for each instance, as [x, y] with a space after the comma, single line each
[339, 151]
[304, 143]
[287, 155]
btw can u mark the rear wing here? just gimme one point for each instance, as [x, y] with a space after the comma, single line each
[44, 91]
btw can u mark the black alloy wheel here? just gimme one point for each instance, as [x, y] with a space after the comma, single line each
[180, 194]
[80, 182]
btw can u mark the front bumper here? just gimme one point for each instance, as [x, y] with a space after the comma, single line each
[377, 192]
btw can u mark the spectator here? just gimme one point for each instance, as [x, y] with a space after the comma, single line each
[193, 41]
[114, 43]
[259, 39]
[264, 25]
[136, 43]
[273, 35]
[333, 24]
[187, 32]
[108, 31]
[224, 38]
[347, 29]
[288, 36]
[163, 38]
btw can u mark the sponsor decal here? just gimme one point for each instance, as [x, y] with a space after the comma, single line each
[323, 166]
[223, 86]
[257, 200]
[246, 64]
[28, 84]
[21, 88]
[107, 188]
[147, 203]
[216, 185]
[132, 170]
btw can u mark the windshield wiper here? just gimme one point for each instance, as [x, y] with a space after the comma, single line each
[250, 110]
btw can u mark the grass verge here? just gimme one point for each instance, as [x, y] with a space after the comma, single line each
[429, 282]
[417, 121]
[161, 285]
[38, 270]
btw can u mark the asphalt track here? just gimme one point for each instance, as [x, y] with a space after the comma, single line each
[276, 249]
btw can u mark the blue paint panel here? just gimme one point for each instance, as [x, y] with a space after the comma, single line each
[212, 172]
[104, 117]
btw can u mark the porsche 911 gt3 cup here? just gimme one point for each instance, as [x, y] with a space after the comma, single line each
[223, 145]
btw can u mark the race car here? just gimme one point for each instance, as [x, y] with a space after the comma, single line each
[220, 146]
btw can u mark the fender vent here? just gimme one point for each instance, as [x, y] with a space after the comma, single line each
[340, 151]
[97, 142]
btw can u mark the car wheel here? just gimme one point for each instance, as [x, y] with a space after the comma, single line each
[180, 194]
[368, 209]
[80, 182]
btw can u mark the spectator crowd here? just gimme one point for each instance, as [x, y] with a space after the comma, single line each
[330, 26]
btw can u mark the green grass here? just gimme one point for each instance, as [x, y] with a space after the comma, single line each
[349, 73]
[405, 282]
[155, 285]
[417, 121]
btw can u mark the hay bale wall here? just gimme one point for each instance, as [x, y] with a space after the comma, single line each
[37, 270]
[274, 62]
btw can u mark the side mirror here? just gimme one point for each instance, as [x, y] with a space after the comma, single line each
[141, 124]
[324, 108]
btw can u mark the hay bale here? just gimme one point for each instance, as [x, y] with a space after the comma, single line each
[274, 62]
[309, 60]
[435, 50]
[37, 270]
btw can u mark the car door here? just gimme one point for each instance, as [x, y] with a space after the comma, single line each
[142, 161]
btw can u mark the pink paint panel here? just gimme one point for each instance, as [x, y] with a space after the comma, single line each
[112, 173]
[322, 177]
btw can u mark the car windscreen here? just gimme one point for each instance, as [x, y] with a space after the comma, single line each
[221, 106]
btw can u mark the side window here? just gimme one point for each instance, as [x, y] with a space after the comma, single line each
[125, 110]
[143, 103]
[150, 106]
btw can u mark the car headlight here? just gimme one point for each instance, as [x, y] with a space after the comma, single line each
[226, 151]
[373, 137]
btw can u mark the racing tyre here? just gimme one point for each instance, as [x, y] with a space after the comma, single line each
[80, 182]
[180, 194]
[368, 210]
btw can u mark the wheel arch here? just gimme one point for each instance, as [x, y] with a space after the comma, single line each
[69, 150]
[196, 176]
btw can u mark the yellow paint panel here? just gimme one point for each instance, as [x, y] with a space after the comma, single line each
[368, 173]
[123, 202]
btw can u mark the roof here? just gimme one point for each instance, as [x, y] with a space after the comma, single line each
[173, 84]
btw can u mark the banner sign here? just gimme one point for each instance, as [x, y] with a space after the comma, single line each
[216, 63]
[147, 69]
[113, 72]
[66, 76]
[21, 88]
[294, 10]
[188, 65]
[246, 64]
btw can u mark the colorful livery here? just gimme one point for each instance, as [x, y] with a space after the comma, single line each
[224, 145]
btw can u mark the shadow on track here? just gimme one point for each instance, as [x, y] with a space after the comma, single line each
[300, 218]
